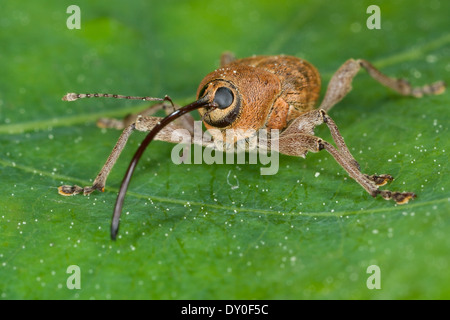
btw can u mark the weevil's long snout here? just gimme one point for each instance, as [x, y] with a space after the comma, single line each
[204, 102]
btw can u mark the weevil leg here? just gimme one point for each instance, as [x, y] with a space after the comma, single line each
[306, 123]
[100, 180]
[187, 121]
[340, 83]
[129, 119]
[299, 138]
[141, 124]
[402, 86]
[379, 180]
[369, 183]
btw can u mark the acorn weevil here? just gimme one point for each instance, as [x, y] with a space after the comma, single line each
[259, 92]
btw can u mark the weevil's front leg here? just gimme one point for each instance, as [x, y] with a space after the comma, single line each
[298, 139]
[379, 180]
[129, 119]
[141, 124]
[186, 121]
[402, 86]
[369, 183]
[309, 120]
[340, 83]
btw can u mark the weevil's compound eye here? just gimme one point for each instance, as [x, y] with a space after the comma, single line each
[224, 97]
[227, 103]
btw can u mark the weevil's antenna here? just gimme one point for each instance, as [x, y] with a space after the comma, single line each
[201, 103]
[76, 96]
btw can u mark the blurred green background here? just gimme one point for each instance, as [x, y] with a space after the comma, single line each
[187, 233]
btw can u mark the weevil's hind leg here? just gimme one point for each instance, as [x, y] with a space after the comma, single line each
[298, 139]
[141, 124]
[340, 83]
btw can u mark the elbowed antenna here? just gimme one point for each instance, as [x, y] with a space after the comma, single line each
[76, 96]
[201, 103]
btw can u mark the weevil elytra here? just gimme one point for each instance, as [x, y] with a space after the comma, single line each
[260, 92]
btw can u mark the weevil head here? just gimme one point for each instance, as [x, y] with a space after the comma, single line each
[243, 97]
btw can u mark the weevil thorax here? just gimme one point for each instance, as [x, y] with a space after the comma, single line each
[259, 92]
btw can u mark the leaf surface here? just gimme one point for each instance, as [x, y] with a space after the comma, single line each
[219, 231]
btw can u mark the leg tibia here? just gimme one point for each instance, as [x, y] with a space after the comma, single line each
[129, 119]
[399, 197]
[402, 86]
[369, 183]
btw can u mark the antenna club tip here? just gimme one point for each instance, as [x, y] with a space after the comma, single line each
[114, 232]
[70, 97]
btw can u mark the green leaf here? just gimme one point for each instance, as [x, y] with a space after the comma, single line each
[219, 231]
